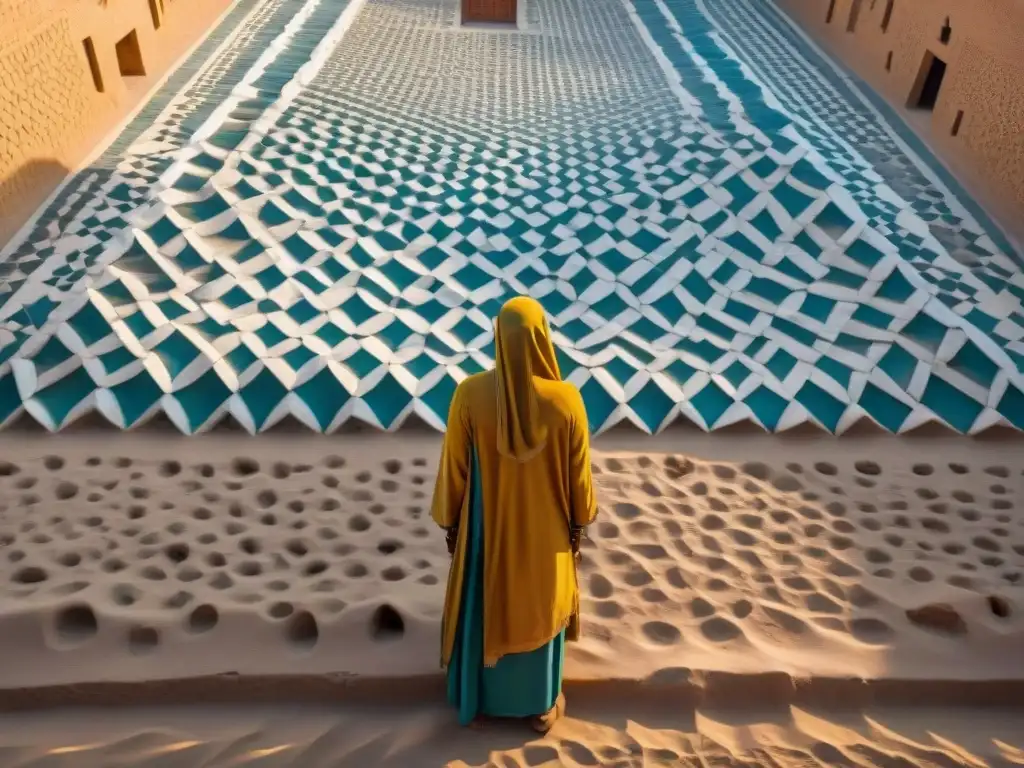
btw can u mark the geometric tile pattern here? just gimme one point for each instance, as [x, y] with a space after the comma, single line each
[99, 201]
[720, 229]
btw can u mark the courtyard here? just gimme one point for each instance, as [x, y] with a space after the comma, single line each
[723, 227]
[305, 231]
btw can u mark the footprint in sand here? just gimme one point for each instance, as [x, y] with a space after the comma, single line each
[701, 608]
[712, 522]
[677, 467]
[742, 608]
[783, 620]
[650, 551]
[720, 630]
[938, 617]
[601, 587]
[676, 578]
[661, 633]
[787, 483]
[637, 576]
[819, 603]
[865, 467]
[609, 609]
[627, 511]
[871, 631]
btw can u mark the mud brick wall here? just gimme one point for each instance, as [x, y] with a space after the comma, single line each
[43, 103]
[51, 113]
[984, 79]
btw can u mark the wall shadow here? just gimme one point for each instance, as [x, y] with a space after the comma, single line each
[22, 192]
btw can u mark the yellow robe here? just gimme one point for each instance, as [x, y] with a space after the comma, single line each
[530, 435]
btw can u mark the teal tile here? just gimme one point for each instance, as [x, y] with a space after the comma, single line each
[899, 365]
[765, 223]
[387, 400]
[438, 398]
[873, 317]
[823, 406]
[864, 254]
[836, 370]
[176, 352]
[116, 359]
[884, 408]
[711, 402]
[598, 402]
[767, 406]
[324, 395]
[926, 331]
[51, 354]
[1011, 406]
[974, 364]
[61, 397]
[652, 405]
[89, 324]
[817, 307]
[136, 397]
[744, 245]
[10, 401]
[953, 406]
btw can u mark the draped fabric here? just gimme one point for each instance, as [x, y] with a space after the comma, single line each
[520, 684]
[523, 351]
[528, 432]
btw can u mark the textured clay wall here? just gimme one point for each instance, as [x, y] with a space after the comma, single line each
[51, 113]
[984, 79]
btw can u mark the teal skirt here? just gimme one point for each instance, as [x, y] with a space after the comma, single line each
[520, 684]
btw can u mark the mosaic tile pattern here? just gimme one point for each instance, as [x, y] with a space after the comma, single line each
[99, 201]
[720, 227]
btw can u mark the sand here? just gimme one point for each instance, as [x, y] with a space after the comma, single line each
[734, 585]
[624, 735]
[145, 556]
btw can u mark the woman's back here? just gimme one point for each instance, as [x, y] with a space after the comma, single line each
[541, 485]
[517, 449]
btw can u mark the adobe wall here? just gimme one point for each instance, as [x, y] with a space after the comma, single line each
[984, 78]
[51, 114]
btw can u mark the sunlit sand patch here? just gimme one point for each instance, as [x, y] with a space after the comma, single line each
[133, 558]
[618, 732]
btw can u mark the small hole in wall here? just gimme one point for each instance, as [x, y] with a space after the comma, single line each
[888, 62]
[851, 24]
[929, 82]
[946, 32]
[956, 122]
[831, 11]
[94, 64]
[129, 56]
[155, 12]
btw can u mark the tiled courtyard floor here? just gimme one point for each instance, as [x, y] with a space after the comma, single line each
[319, 215]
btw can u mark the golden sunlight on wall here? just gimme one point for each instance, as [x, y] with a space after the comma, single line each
[973, 117]
[70, 71]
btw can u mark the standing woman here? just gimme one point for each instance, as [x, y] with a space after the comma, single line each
[514, 491]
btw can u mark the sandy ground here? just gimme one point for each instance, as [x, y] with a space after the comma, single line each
[624, 735]
[146, 556]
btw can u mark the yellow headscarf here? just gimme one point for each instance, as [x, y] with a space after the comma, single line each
[523, 351]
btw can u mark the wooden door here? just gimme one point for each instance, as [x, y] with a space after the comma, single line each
[495, 11]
